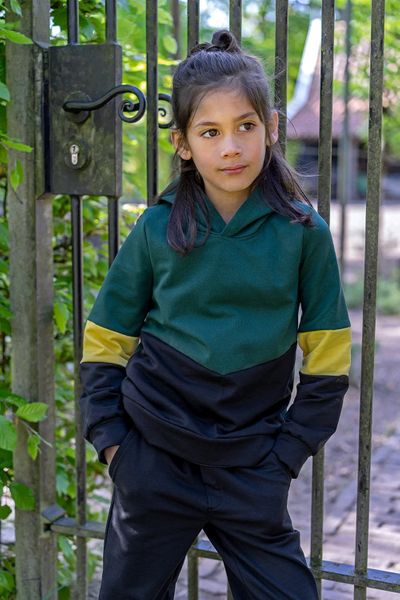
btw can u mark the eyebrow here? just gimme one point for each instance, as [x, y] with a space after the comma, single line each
[248, 114]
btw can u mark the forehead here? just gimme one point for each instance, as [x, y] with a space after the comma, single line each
[221, 106]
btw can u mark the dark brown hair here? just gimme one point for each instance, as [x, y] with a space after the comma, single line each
[208, 67]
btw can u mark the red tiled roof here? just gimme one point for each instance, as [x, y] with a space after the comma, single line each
[305, 123]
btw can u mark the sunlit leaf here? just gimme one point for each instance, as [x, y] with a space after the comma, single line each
[14, 36]
[22, 496]
[33, 411]
[8, 435]
[17, 175]
[33, 445]
[61, 315]
[4, 92]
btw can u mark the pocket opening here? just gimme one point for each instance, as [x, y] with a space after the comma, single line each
[118, 454]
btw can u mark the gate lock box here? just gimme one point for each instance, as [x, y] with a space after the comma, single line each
[83, 127]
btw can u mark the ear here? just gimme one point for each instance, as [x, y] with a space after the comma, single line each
[273, 127]
[176, 140]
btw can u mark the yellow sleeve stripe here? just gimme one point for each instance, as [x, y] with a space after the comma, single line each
[326, 352]
[105, 345]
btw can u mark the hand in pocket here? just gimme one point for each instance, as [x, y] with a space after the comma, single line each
[109, 453]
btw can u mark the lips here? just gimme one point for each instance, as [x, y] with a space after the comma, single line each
[235, 168]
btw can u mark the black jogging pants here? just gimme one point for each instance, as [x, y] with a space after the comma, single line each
[161, 502]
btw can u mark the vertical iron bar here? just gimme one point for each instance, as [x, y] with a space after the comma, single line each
[344, 157]
[193, 26]
[113, 228]
[46, 385]
[235, 19]
[325, 121]
[193, 574]
[73, 21]
[176, 26]
[80, 590]
[317, 513]
[370, 283]
[77, 303]
[324, 197]
[111, 21]
[112, 203]
[281, 45]
[176, 32]
[152, 99]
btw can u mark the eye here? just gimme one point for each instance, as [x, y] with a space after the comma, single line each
[248, 123]
[208, 131]
[248, 127]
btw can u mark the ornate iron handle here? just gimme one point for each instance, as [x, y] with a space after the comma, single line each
[81, 106]
[79, 109]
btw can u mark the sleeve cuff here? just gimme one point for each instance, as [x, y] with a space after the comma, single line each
[106, 434]
[292, 452]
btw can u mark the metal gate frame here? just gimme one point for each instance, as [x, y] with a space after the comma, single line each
[31, 268]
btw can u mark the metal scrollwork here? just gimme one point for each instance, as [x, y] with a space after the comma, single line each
[80, 109]
[77, 106]
[163, 111]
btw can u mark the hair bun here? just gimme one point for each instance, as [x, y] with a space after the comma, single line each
[225, 40]
[222, 41]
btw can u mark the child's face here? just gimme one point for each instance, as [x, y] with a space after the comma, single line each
[225, 131]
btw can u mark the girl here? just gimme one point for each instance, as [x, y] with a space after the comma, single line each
[189, 349]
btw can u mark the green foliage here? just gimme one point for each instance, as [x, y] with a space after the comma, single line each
[22, 496]
[360, 78]
[7, 574]
[13, 408]
[387, 294]
[9, 33]
[6, 581]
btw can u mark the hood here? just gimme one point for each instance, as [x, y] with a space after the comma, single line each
[249, 217]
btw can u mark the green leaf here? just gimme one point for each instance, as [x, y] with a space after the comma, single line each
[15, 7]
[33, 411]
[17, 175]
[3, 151]
[5, 312]
[170, 44]
[66, 546]
[6, 581]
[62, 482]
[14, 36]
[6, 462]
[5, 326]
[8, 435]
[7, 396]
[61, 315]
[15, 145]
[33, 445]
[22, 496]
[3, 236]
[4, 92]
[5, 510]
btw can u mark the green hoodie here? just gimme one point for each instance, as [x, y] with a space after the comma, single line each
[199, 350]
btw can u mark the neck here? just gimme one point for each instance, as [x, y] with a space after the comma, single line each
[227, 207]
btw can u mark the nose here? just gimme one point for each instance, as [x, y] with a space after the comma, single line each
[231, 147]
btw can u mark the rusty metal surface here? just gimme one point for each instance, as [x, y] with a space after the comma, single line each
[370, 286]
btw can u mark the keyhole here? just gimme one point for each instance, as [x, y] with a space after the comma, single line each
[74, 150]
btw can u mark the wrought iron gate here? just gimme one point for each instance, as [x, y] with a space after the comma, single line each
[83, 155]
